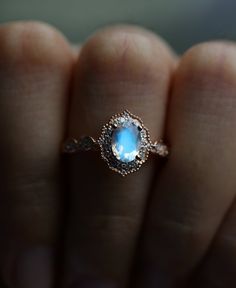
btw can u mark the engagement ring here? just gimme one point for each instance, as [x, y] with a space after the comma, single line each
[124, 143]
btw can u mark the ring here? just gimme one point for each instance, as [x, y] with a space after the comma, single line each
[124, 144]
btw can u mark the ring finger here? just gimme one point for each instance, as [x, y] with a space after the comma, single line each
[119, 68]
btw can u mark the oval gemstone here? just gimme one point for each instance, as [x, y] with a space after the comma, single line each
[126, 142]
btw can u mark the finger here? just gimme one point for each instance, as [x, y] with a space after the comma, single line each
[197, 185]
[217, 269]
[35, 65]
[119, 68]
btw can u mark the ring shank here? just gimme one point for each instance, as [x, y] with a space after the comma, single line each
[88, 143]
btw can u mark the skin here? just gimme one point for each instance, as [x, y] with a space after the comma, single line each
[70, 221]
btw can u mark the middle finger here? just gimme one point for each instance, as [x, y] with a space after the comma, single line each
[119, 68]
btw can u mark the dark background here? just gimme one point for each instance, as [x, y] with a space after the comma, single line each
[181, 22]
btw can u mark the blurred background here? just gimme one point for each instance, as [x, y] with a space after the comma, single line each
[181, 22]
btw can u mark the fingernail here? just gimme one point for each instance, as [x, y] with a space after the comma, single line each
[34, 268]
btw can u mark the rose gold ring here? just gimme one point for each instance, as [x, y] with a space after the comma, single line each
[124, 143]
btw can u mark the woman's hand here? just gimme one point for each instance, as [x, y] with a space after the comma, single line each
[73, 222]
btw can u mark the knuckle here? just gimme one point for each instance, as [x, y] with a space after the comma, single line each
[210, 62]
[29, 42]
[124, 50]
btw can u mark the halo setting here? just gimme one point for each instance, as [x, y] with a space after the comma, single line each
[124, 143]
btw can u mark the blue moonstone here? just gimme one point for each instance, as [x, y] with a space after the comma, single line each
[126, 142]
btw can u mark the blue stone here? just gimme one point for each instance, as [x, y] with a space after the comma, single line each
[126, 142]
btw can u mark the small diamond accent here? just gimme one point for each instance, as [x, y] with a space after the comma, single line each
[70, 146]
[159, 148]
[87, 143]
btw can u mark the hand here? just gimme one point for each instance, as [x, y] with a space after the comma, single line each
[71, 222]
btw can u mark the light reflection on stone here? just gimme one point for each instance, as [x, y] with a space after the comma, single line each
[126, 142]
